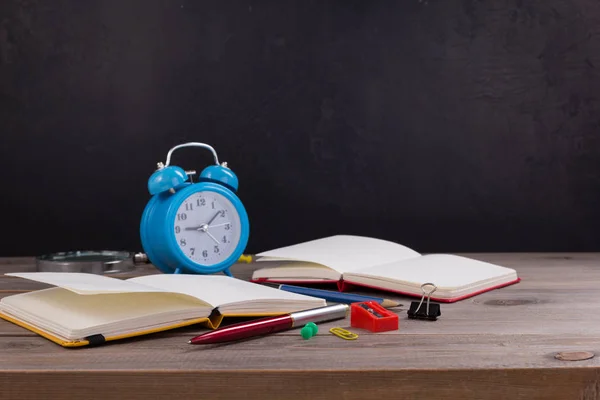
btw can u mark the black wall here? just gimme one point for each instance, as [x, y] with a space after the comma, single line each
[444, 125]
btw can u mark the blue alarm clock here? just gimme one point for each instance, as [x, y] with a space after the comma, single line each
[194, 228]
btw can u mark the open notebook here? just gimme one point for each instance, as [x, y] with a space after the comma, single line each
[88, 309]
[380, 264]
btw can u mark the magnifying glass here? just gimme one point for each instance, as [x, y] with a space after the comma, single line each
[102, 262]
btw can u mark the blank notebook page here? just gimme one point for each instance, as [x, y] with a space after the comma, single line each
[64, 308]
[84, 283]
[443, 270]
[219, 290]
[344, 253]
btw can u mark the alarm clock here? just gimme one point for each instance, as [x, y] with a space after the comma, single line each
[194, 227]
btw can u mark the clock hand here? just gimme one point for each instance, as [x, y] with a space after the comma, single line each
[204, 227]
[212, 237]
[216, 226]
[213, 218]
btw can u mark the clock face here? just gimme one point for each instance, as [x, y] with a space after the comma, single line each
[207, 228]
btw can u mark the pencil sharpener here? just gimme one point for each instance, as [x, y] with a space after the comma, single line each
[372, 316]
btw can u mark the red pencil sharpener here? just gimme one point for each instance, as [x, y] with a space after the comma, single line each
[372, 316]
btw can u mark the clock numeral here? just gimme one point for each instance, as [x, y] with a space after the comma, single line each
[177, 229]
[201, 202]
[227, 227]
[181, 217]
[216, 249]
[205, 253]
[189, 207]
[192, 250]
[213, 205]
[182, 242]
[222, 213]
[224, 240]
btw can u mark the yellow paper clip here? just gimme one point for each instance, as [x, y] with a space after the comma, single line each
[245, 258]
[344, 334]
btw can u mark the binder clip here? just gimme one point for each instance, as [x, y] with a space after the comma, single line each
[373, 317]
[430, 312]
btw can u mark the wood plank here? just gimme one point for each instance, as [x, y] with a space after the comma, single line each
[524, 308]
[514, 384]
[540, 268]
[504, 311]
[527, 308]
[499, 344]
[325, 352]
[11, 283]
[16, 260]
[12, 330]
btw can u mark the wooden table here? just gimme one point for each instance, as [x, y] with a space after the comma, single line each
[500, 344]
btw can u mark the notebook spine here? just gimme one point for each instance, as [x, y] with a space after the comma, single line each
[344, 286]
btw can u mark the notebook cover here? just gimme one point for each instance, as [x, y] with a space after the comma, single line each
[86, 342]
[212, 322]
[346, 286]
[296, 281]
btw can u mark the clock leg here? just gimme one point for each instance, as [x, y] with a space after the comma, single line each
[227, 272]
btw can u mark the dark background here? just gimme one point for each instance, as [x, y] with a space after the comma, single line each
[446, 125]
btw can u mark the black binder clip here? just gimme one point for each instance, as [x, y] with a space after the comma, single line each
[430, 312]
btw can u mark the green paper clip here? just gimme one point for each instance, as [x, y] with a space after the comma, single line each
[344, 334]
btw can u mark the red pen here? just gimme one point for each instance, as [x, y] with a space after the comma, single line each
[267, 325]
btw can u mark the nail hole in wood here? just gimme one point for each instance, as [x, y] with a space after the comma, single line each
[574, 355]
[509, 302]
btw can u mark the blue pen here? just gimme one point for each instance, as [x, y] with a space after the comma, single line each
[338, 297]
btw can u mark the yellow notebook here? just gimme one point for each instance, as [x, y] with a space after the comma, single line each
[86, 309]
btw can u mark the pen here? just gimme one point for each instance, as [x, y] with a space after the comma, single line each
[338, 297]
[263, 326]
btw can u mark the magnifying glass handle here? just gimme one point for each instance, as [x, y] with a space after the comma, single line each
[140, 258]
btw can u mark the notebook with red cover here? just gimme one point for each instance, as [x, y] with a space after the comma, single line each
[380, 264]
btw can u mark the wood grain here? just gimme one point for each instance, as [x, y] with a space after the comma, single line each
[514, 384]
[325, 352]
[500, 344]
